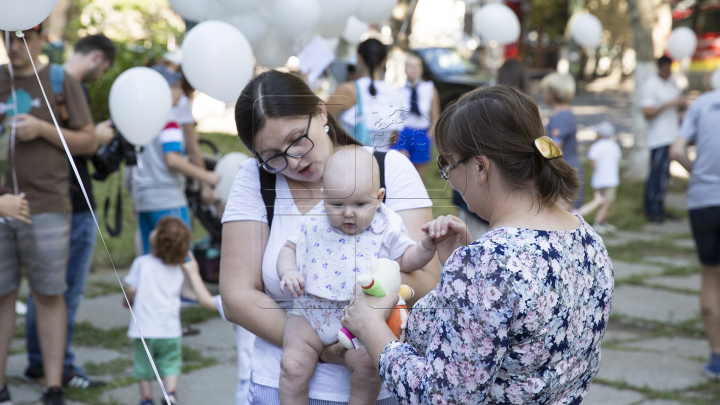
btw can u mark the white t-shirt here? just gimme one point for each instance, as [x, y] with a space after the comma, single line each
[606, 154]
[425, 92]
[664, 127]
[157, 299]
[405, 190]
[183, 111]
[244, 341]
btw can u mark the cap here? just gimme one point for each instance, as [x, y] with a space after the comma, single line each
[169, 75]
[604, 128]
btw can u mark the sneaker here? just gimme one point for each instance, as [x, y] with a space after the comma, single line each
[147, 401]
[173, 400]
[712, 370]
[5, 396]
[53, 396]
[77, 378]
[32, 374]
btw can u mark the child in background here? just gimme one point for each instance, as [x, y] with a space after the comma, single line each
[244, 340]
[153, 289]
[605, 155]
[334, 245]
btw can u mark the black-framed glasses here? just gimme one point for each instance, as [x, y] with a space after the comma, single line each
[299, 148]
[444, 165]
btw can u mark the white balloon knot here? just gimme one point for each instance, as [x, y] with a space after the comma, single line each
[19, 34]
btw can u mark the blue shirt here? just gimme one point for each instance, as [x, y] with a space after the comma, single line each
[562, 128]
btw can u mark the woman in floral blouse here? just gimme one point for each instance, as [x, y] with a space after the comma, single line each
[518, 315]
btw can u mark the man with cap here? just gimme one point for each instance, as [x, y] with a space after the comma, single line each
[41, 172]
[158, 181]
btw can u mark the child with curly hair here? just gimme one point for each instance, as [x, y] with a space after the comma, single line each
[153, 289]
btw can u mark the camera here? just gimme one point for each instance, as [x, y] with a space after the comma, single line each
[108, 158]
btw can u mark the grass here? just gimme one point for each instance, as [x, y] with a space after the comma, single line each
[637, 251]
[86, 334]
[97, 288]
[117, 366]
[194, 360]
[197, 314]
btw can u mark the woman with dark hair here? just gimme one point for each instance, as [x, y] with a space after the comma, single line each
[369, 108]
[519, 314]
[288, 130]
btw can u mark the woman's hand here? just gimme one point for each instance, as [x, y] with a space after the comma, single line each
[367, 313]
[15, 207]
[448, 233]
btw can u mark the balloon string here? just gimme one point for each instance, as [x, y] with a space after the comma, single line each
[82, 186]
[13, 122]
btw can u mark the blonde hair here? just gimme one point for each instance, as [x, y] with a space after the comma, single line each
[561, 84]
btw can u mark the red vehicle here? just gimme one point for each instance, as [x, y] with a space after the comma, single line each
[703, 17]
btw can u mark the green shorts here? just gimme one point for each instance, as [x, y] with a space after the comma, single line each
[166, 353]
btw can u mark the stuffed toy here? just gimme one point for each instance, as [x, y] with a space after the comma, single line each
[384, 280]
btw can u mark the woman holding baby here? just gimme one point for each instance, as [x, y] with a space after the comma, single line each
[518, 314]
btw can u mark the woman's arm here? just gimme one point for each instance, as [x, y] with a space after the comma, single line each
[425, 279]
[241, 286]
[342, 99]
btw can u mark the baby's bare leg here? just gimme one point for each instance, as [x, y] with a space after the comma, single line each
[301, 351]
[365, 381]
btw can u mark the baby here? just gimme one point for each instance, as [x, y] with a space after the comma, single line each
[334, 245]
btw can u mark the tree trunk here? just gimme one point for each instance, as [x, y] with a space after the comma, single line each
[643, 15]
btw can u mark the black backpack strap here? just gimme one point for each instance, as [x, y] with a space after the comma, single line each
[118, 212]
[380, 156]
[267, 190]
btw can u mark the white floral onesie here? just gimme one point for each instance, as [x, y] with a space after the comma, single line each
[330, 261]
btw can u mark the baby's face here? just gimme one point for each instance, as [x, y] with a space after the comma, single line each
[351, 205]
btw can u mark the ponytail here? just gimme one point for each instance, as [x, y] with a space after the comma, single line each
[556, 180]
[372, 52]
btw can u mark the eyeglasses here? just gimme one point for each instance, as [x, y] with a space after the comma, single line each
[299, 148]
[444, 165]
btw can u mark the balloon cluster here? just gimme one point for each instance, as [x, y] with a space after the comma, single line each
[275, 28]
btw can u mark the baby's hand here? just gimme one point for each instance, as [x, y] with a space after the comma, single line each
[445, 227]
[426, 241]
[294, 281]
[190, 267]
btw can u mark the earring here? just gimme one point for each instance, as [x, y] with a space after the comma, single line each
[326, 128]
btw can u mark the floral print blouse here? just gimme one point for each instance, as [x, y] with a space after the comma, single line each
[517, 318]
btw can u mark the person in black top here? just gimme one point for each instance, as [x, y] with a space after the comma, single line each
[94, 56]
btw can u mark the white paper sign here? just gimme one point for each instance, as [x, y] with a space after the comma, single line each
[315, 58]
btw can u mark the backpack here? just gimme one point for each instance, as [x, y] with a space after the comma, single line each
[267, 186]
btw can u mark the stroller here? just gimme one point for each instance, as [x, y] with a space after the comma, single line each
[207, 249]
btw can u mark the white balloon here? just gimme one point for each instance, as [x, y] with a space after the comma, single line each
[331, 31]
[587, 31]
[193, 10]
[227, 167]
[334, 12]
[354, 29]
[375, 11]
[20, 15]
[140, 104]
[273, 50]
[682, 43]
[497, 22]
[296, 17]
[238, 6]
[217, 60]
[253, 25]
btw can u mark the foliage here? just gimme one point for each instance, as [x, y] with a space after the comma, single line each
[141, 29]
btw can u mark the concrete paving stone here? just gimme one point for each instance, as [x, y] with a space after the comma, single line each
[603, 395]
[655, 305]
[686, 243]
[212, 385]
[670, 261]
[105, 312]
[624, 237]
[95, 354]
[16, 364]
[658, 402]
[617, 336]
[624, 269]
[652, 370]
[694, 349]
[677, 201]
[216, 339]
[669, 227]
[690, 283]
[25, 394]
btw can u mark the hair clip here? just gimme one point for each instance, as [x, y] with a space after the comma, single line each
[548, 148]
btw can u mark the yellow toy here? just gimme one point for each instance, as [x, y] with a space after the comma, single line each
[384, 280]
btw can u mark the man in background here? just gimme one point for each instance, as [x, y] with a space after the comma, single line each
[41, 247]
[94, 55]
[661, 99]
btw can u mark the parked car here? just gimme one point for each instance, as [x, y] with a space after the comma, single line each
[452, 73]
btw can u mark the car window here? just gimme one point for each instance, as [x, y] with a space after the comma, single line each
[447, 61]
